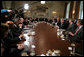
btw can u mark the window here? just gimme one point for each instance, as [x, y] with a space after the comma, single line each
[81, 10]
[67, 11]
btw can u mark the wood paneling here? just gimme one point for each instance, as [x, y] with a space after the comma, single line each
[65, 10]
[71, 9]
[77, 9]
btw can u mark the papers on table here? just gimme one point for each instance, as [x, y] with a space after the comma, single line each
[26, 28]
[27, 40]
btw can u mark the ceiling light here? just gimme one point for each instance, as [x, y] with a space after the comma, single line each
[26, 6]
[53, 12]
[42, 2]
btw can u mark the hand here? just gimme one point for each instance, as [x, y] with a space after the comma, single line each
[21, 36]
[71, 33]
[20, 46]
[20, 25]
[57, 27]
[9, 10]
[22, 32]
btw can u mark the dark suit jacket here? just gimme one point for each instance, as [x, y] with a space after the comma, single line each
[78, 37]
[58, 23]
[72, 28]
[50, 21]
[32, 20]
[10, 47]
[11, 38]
[16, 31]
[41, 19]
[46, 20]
[55, 20]
[37, 19]
[7, 45]
[62, 26]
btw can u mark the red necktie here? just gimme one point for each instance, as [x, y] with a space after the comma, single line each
[77, 30]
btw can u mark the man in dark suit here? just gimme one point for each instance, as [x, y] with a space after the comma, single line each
[62, 24]
[78, 35]
[16, 30]
[67, 22]
[12, 32]
[36, 19]
[49, 20]
[16, 16]
[72, 27]
[21, 14]
[7, 42]
[21, 24]
[46, 20]
[40, 19]
[58, 21]
[53, 21]
[33, 20]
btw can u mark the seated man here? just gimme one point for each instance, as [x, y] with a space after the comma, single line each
[58, 21]
[37, 19]
[22, 22]
[6, 43]
[46, 20]
[62, 24]
[78, 35]
[12, 33]
[4, 33]
[53, 21]
[33, 19]
[49, 21]
[17, 30]
[72, 27]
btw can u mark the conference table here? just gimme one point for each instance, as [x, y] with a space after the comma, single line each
[46, 39]
[42, 37]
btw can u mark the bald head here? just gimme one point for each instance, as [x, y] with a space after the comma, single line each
[21, 20]
[10, 23]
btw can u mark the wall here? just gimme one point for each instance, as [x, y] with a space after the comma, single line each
[74, 10]
[6, 4]
[57, 6]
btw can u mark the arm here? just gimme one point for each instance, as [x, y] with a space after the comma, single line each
[78, 37]
[4, 10]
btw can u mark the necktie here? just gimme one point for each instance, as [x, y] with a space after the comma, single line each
[77, 30]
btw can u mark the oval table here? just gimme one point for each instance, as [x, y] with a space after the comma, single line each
[46, 38]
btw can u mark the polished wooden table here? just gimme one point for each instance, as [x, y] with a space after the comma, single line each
[46, 38]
